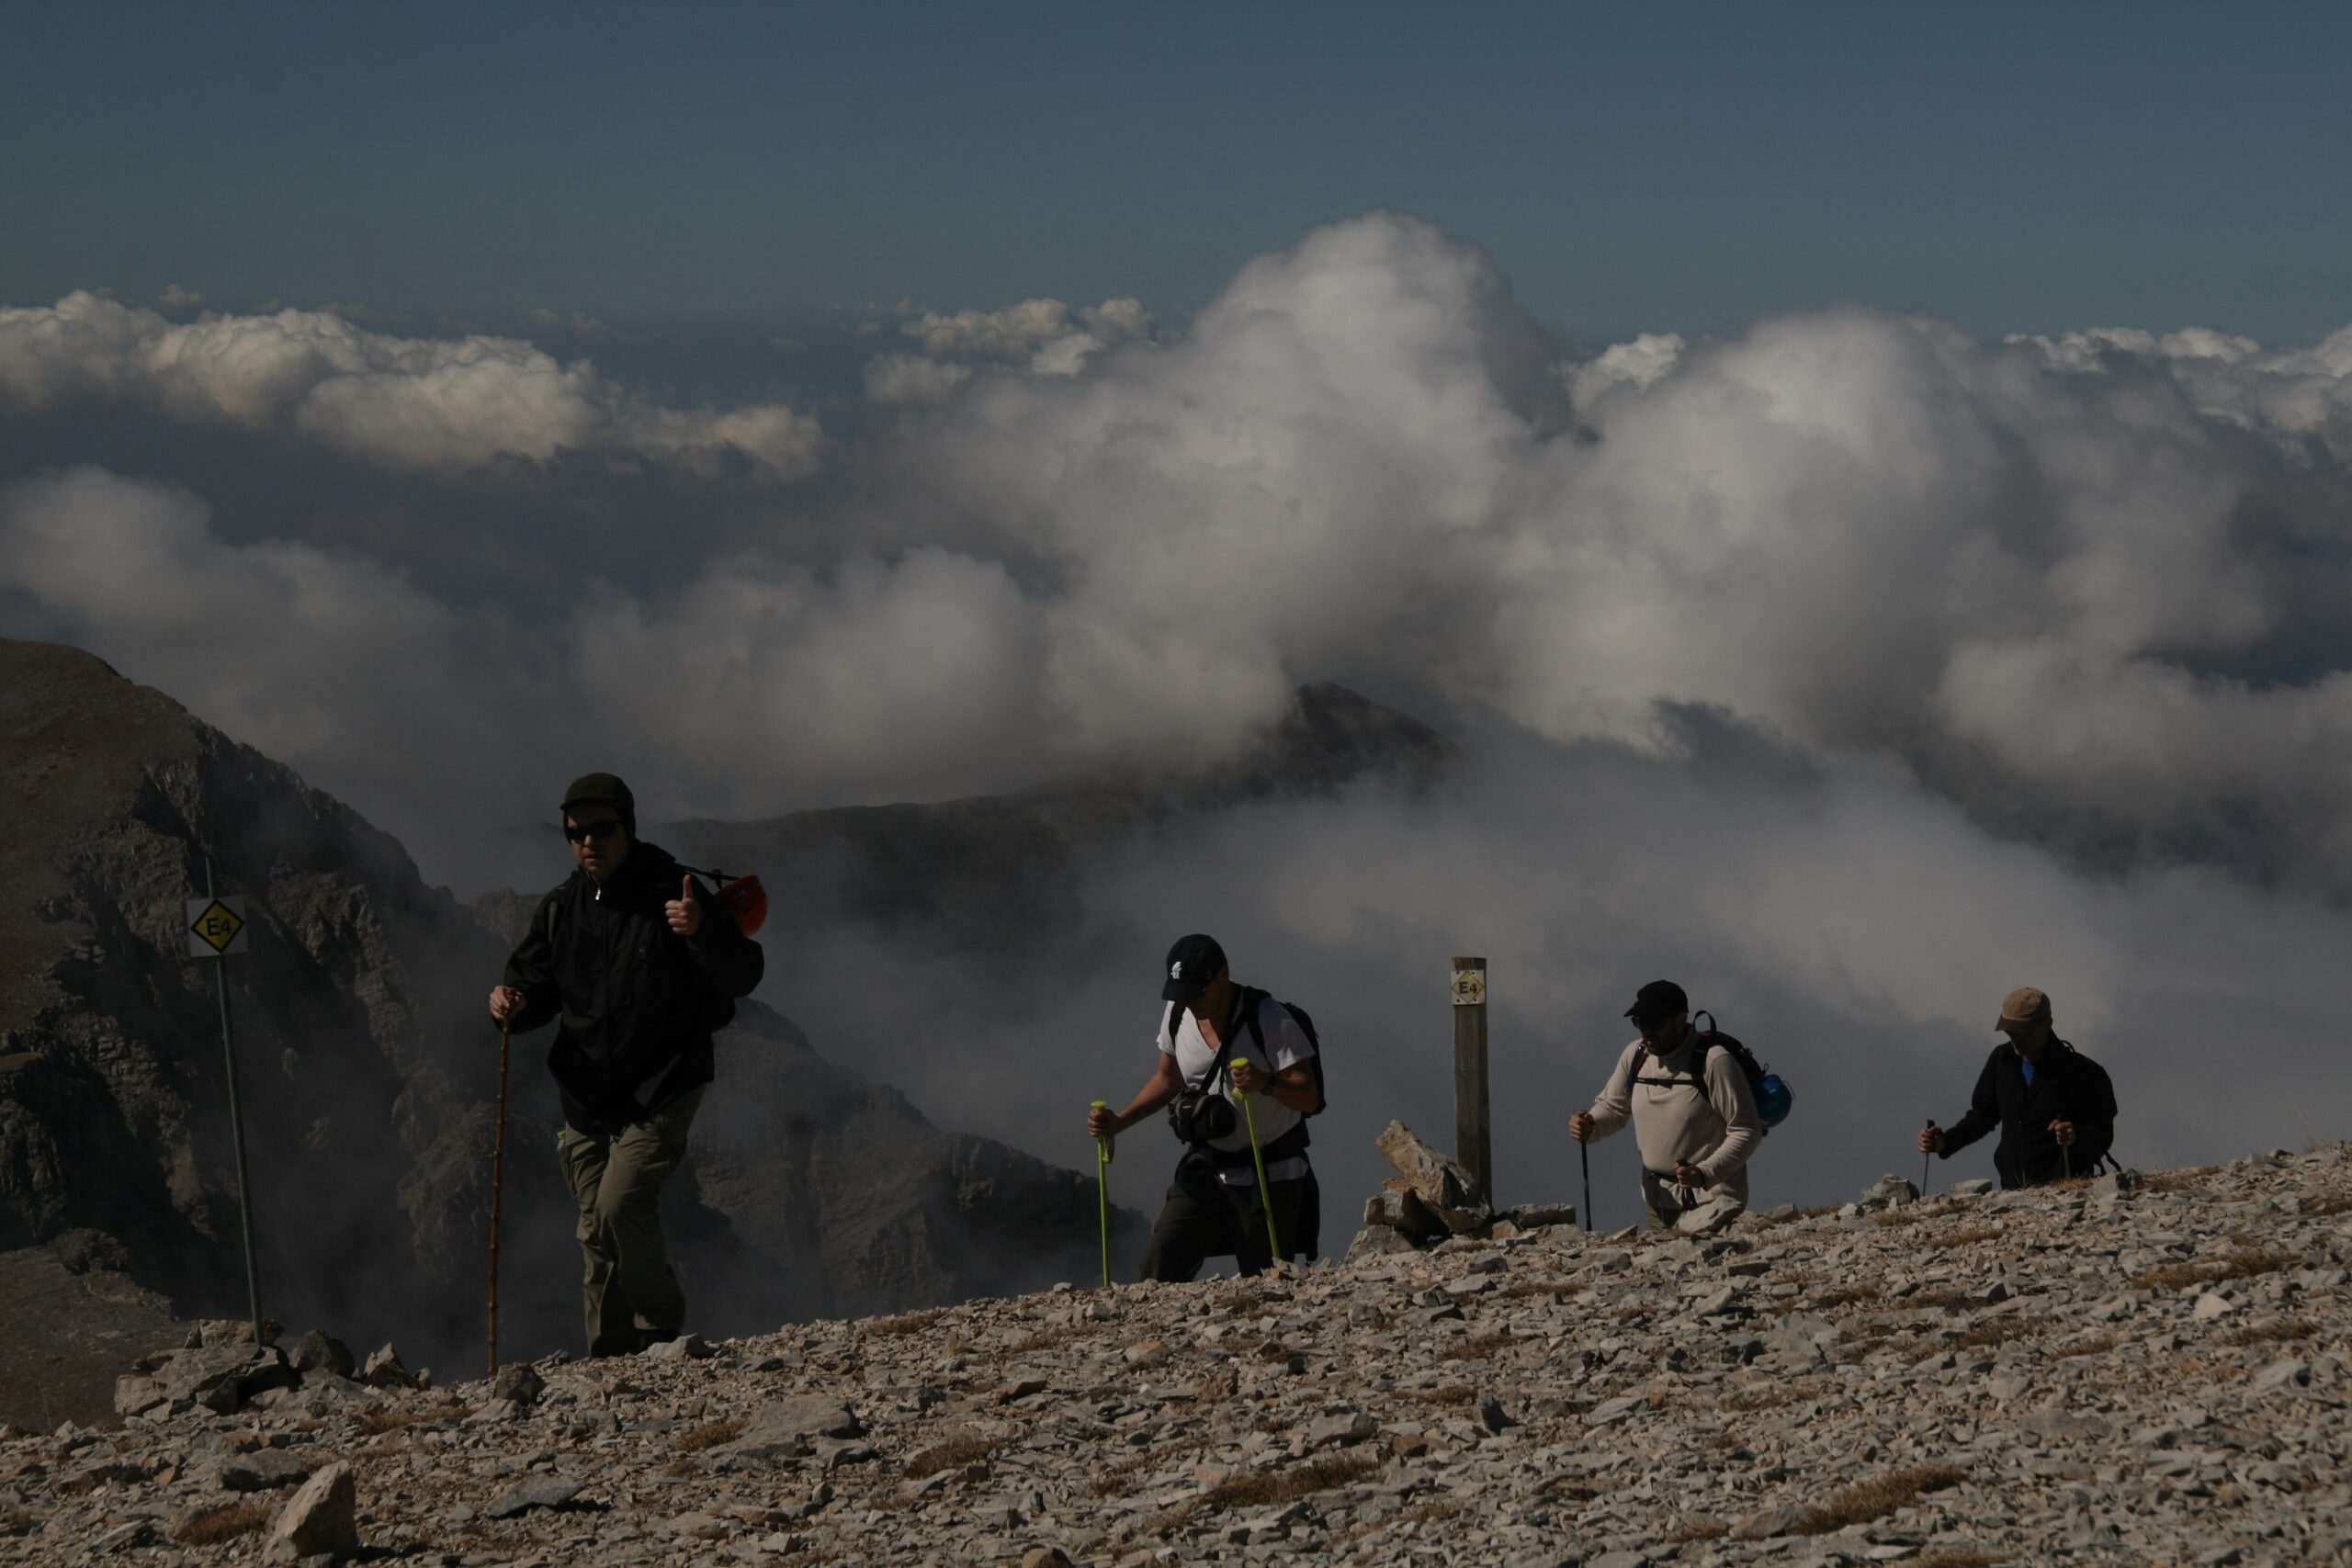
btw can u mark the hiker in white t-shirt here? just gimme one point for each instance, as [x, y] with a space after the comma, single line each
[1212, 1206]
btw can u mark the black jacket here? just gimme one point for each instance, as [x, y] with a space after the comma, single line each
[2067, 1087]
[637, 1001]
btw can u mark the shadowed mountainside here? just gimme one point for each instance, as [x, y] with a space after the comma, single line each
[367, 1073]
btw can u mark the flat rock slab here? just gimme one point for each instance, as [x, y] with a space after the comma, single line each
[788, 1428]
[539, 1492]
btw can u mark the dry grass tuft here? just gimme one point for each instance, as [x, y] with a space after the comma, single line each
[2212, 1270]
[1452, 1394]
[1477, 1346]
[1046, 1339]
[1968, 1236]
[375, 1422]
[952, 1453]
[2179, 1181]
[1112, 1478]
[1769, 1398]
[1993, 1331]
[2096, 1345]
[711, 1436]
[1846, 1295]
[1698, 1530]
[1427, 1513]
[1262, 1488]
[2322, 1208]
[904, 1323]
[214, 1526]
[2271, 1332]
[1876, 1499]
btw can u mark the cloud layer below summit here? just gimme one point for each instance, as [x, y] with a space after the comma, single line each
[2085, 585]
[1847, 613]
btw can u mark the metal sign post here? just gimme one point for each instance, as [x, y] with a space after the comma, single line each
[216, 928]
[1473, 1143]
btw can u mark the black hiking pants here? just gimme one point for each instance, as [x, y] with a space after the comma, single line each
[1204, 1217]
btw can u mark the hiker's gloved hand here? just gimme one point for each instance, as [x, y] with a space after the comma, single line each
[1101, 1122]
[685, 910]
[1580, 1126]
[505, 1001]
[1931, 1140]
[2065, 1132]
[1689, 1175]
[1248, 1077]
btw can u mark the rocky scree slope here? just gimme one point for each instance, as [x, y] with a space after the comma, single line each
[2101, 1373]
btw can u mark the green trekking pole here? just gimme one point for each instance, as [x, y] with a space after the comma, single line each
[1265, 1198]
[1103, 1190]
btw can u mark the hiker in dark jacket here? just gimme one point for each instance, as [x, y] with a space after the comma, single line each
[639, 967]
[2054, 1106]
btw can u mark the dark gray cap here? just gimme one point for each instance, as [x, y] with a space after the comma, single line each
[604, 787]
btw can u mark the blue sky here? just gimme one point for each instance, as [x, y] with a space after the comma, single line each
[2010, 167]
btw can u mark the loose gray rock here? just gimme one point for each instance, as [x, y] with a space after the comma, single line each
[520, 1383]
[319, 1520]
[318, 1351]
[539, 1492]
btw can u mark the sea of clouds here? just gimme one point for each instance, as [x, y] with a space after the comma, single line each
[1849, 669]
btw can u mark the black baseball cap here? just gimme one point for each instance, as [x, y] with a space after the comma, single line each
[1659, 999]
[604, 789]
[1193, 963]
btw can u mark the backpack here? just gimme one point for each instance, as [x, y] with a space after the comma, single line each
[1773, 1096]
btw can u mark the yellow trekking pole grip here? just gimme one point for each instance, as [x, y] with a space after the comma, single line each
[1103, 1190]
[1265, 1198]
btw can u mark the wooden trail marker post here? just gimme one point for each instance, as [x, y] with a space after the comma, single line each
[1473, 1143]
[216, 929]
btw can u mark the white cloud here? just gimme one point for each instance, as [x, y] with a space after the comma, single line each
[2055, 581]
[431, 404]
[1044, 337]
[1637, 365]
[325, 660]
[911, 378]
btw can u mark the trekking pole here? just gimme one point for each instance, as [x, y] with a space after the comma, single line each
[1925, 1155]
[1102, 1190]
[1265, 1198]
[497, 1190]
[1584, 1158]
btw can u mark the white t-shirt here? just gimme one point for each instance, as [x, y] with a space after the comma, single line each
[1286, 1043]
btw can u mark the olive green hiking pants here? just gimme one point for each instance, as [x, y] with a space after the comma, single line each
[630, 1292]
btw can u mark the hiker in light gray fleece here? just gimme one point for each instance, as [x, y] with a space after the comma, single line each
[1693, 1115]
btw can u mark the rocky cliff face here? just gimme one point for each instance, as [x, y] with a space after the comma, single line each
[368, 1073]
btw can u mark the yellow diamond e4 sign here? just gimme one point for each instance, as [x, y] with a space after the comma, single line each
[216, 927]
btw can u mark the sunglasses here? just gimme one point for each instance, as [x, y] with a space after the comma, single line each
[604, 829]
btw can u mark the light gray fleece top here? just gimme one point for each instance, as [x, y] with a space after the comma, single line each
[1715, 1130]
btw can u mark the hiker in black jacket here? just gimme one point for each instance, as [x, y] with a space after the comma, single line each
[641, 968]
[2054, 1106]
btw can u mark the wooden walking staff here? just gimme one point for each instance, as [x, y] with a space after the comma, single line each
[497, 1192]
